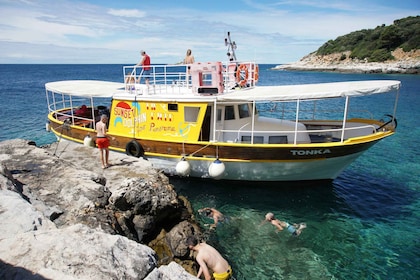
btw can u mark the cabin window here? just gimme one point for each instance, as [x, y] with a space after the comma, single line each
[229, 113]
[219, 115]
[172, 107]
[277, 139]
[207, 81]
[191, 114]
[257, 139]
[243, 111]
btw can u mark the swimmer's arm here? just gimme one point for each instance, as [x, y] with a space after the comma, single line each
[277, 225]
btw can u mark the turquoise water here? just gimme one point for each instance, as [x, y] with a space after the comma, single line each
[363, 225]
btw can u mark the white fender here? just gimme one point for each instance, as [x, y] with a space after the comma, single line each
[88, 141]
[183, 168]
[216, 169]
[47, 127]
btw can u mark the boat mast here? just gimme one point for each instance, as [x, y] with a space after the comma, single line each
[231, 47]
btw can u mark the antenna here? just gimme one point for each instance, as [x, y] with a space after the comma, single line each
[231, 48]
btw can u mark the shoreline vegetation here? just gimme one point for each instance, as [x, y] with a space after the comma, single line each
[404, 63]
[384, 49]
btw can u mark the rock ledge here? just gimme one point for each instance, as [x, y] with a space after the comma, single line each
[64, 217]
[404, 63]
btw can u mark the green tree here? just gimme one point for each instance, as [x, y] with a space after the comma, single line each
[377, 44]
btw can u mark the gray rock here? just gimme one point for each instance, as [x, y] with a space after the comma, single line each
[78, 252]
[18, 216]
[404, 63]
[178, 235]
[61, 213]
[7, 182]
[146, 206]
[170, 271]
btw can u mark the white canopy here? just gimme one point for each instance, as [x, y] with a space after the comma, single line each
[312, 91]
[91, 88]
[86, 88]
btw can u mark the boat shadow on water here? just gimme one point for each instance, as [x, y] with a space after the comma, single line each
[357, 195]
[257, 195]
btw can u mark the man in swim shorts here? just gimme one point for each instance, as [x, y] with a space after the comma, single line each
[209, 259]
[102, 141]
[295, 229]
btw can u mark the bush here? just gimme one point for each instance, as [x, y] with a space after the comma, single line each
[380, 55]
[377, 44]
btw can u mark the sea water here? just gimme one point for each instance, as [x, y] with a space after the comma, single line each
[363, 225]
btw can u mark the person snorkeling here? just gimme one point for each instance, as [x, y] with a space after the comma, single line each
[295, 229]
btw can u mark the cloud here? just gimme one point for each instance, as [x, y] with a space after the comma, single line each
[127, 13]
[265, 30]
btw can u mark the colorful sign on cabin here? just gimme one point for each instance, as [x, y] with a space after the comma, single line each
[156, 120]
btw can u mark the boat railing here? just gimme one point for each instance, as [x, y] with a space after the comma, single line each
[161, 78]
[64, 109]
[197, 78]
[312, 113]
[330, 134]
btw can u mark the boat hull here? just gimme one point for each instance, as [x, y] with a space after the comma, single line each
[286, 171]
[242, 162]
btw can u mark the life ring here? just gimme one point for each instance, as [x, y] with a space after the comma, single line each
[256, 74]
[133, 148]
[239, 80]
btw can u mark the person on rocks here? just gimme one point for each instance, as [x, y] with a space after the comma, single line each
[214, 214]
[209, 259]
[102, 141]
[295, 229]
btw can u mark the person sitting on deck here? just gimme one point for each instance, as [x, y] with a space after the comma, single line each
[82, 111]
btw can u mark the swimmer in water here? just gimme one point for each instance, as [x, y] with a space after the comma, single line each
[214, 214]
[295, 229]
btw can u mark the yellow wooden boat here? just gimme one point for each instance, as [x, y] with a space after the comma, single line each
[211, 120]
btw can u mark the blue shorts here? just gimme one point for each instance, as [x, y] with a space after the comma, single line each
[291, 229]
[145, 73]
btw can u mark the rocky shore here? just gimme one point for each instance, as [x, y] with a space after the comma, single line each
[404, 63]
[64, 217]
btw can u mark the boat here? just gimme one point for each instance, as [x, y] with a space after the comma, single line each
[212, 120]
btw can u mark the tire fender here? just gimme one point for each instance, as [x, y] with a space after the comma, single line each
[133, 148]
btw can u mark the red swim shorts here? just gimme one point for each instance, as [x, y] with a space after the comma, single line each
[102, 143]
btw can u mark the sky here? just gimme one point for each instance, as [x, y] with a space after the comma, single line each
[115, 31]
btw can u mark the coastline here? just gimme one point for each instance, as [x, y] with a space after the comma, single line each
[404, 63]
[64, 217]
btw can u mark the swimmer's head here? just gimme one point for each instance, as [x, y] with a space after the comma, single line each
[269, 216]
[205, 211]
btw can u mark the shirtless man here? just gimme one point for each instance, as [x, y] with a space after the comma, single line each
[189, 58]
[102, 141]
[214, 214]
[295, 229]
[209, 259]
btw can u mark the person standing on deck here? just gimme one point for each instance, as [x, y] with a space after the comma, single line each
[145, 62]
[189, 58]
